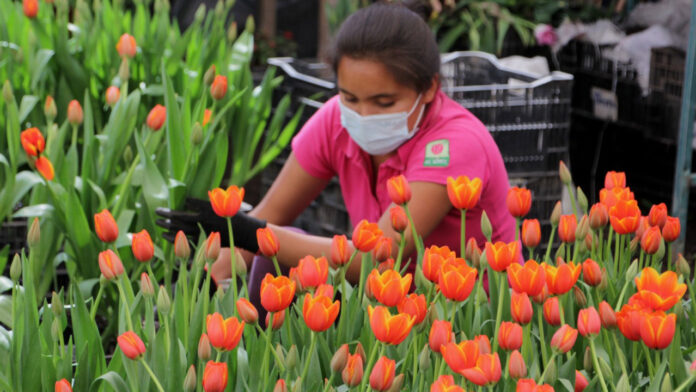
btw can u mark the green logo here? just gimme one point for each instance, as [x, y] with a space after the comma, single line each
[437, 153]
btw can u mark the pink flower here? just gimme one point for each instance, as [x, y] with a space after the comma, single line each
[545, 35]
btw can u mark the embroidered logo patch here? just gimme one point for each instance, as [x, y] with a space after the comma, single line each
[437, 153]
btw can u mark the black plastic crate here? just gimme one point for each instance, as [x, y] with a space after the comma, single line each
[14, 234]
[667, 71]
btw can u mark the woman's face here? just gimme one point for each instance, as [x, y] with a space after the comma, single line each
[367, 87]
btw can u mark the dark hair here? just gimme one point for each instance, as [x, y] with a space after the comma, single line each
[394, 36]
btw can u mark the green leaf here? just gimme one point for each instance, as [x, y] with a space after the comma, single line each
[113, 379]
[176, 147]
[27, 105]
[43, 56]
[155, 187]
[38, 210]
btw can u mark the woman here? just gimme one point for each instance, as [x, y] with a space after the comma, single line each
[389, 118]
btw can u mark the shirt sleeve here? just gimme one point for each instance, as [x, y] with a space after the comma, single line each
[312, 145]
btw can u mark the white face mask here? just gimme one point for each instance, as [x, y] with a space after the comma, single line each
[379, 134]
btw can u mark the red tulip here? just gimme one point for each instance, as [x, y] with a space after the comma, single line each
[280, 386]
[105, 226]
[463, 193]
[33, 141]
[45, 167]
[566, 228]
[215, 376]
[319, 312]
[615, 179]
[340, 251]
[31, 8]
[486, 372]
[156, 118]
[440, 335]
[365, 235]
[651, 239]
[143, 248]
[224, 334]
[580, 382]
[278, 319]
[268, 242]
[562, 278]
[599, 216]
[629, 319]
[399, 220]
[589, 322]
[671, 230]
[247, 311]
[383, 249]
[530, 278]
[519, 201]
[500, 255]
[63, 386]
[517, 367]
[131, 345]
[433, 258]
[112, 95]
[457, 280]
[226, 202]
[75, 114]
[552, 313]
[414, 304]
[658, 215]
[564, 339]
[399, 190]
[625, 216]
[219, 87]
[510, 336]
[521, 308]
[352, 373]
[462, 356]
[659, 291]
[324, 289]
[312, 271]
[657, 329]
[531, 233]
[445, 383]
[212, 246]
[591, 272]
[484, 344]
[110, 264]
[607, 315]
[276, 292]
[126, 46]
[382, 374]
[387, 328]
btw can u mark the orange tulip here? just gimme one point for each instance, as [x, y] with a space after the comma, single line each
[650, 240]
[530, 278]
[580, 382]
[659, 291]
[382, 374]
[110, 264]
[462, 356]
[126, 46]
[609, 197]
[510, 336]
[365, 235]
[45, 167]
[268, 242]
[589, 322]
[247, 311]
[383, 249]
[156, 118]
[440, 335]
[671, 230]
[657, 329]
[566, 228]
[607, 315]
[352, 373]
[519, 201]
[324, 289]
[629, 319]
[33, 141]
[414, 304]
[207, 115]
[564, 339]
[463, 193]
[615, 179]
[131, 345]
[212, 246]
[280, 386]
[433, 258]
[311, 271]
[486, 372]
[276, 292]
[599, 216]
[387, 328]
[224, 334]
[484, 344]
[278, 319]
[63, 386]
[531, 233]
[500, 255]
[319, 312]
[75, 114]
[445, 383]
[399, 220]
[399, 190]
[562, 278]
[218, 89]
[658, 215]
[521, 308]
[105, 226]
[226, 202]
[543, 295]
[526, 385]
[517, 367]
[552, 312]
[112, 95]
[625, 216]
[142, 246]
[215, 376]
[340, 251]
[457, 280]
[31, 8]
[591, 273]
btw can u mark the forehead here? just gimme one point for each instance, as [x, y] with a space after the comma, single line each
[366, 77]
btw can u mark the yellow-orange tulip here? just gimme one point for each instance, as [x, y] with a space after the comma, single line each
[226, 202]
[463, 193]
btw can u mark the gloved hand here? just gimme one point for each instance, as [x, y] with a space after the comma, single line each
[200, 212]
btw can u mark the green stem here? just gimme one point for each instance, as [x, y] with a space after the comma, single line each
[344, 296]
[517, 229]
[596, 366]
[634, 354]
[233, 262]
[124, 186]
[499, 313]
[549, 245]
[616, 255]
[669, 257]
[312, 346]
[167, 334]
[276, 265]
[416, 239]
[402, 246]
[329, 383]
[123, 298]
[152, 375]
[620, 354]
[462, 239]
[263, 333]
[686, 383]
[651, 366]
[206, 296]
[370, 363]
[454, 313]
[95, 306]
[542, 340]
[553, 357]
[194, 291]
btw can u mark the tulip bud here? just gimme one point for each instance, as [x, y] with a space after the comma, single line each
[607, 315]
[679, 310]
[473, 252]
[280, 352]
[182, 249]
[623, 385]
[424, 358]
[582, 229]
[397, 383]
[75, 113]
[632, 270]
[666, 383]
[338, 361]
[16, 268]
[278, 319]
[209, 75]
[633, 246]
[56, 329]
[280, 386]
[232, 32]
[146, 285]
[7, 93]
[587, 360]
[293, 358]
[250, 25]
[560, 252]
[565, 176]
[297, 386]
[196, 134]
[683, 267]
[241, 267]
[124, 71]
[486, 227]
[34, 235]
[56, 304]
[212, 246]
[199, 259]
[190, 382]
[361, 351]
[247, 311]
[50, 109]
[204, 348]
[556, 214]
[164, 304]
[551, 376]
[604, 283]
[517, 367]
[200, 13]
[580, 297]
[661, 250]
[582, 200]
[127, 155]
[219, 10]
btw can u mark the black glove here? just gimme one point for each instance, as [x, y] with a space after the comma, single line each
[199, 215]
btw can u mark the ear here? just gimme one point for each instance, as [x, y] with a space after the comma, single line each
[430, 93]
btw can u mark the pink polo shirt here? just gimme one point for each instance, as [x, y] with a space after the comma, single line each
[449, 142]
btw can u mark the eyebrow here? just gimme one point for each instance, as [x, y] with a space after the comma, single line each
[376, 96]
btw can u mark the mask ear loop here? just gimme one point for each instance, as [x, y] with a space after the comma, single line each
[415, 128]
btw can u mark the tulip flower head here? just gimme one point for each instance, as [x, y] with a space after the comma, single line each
[463, 193]
[561, 279]
[564, 339]
[657, 329]
[276, 292]
[156, 118]
[33, 141]
[658, 215]
[552, 313]
[30, 8]
[365, 235]
[75, 114]
[311, 271]
[382, 375]
[462, 356]
[399, 220]
[457, 280]
[226, 202]
[110, 264]
[126, 46]
[113, 93]
[530, 278]
[521, 308]
[615, 179]
[607, 316]
[143, 248]
[212, 246]
[500, 255]
[268, 242]
[445, 383]
[383, 249]
[625, 216]
[433, 258]
[387, 328]
[651, 239]
[591, 273]
[589, 323]
[580, 382]
[182, 249]
[319, 312]
[224, 334]
[440, 335]
[567, 227]
[517, 367]
[671, 229]
[218, 89]
[278, 319]
[629, 320]
[105, 226]
[399, 190]
[531, 233]
[247, 311]
[215, 376]
[340, 251]
[207, 116]
[352, 373]
[131, 345]
[510, 336]
[599, 216]
[45, 167]
[659, 291]
[486, 372]
[414, 304]
[63, 386]
[519, 201]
